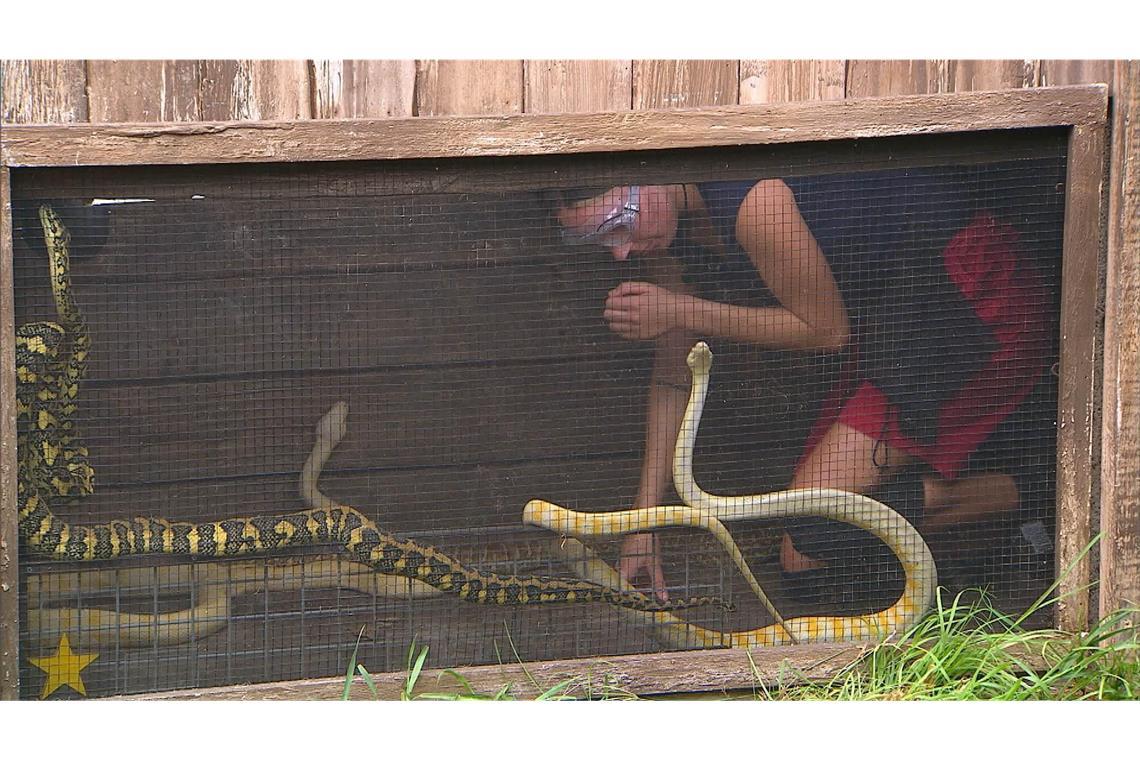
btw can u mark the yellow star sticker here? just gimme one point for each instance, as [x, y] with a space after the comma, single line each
[63, 668]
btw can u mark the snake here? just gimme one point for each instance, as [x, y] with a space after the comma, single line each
[212, 585]
[52, 463]
[702, 509]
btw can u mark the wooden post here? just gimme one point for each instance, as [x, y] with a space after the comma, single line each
[1076, 416]
[1120, 438]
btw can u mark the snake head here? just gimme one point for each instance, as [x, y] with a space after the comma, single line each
[700, 359]
[52, 224]
[334, 424]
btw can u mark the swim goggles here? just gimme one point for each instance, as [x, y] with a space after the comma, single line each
[615, 227]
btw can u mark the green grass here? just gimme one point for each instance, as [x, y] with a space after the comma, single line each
[417, 657]
[967, 650]
[964, 649]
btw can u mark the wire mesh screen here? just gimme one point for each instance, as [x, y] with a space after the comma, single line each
[331, 394]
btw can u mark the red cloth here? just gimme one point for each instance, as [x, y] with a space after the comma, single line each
[985, 263]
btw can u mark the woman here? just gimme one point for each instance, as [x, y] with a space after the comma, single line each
[944, 321]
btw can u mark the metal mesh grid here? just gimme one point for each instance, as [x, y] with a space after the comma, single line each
[467, 332]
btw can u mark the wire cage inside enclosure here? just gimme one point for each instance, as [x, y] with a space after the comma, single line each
[437, 344]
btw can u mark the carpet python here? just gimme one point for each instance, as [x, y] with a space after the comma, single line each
[52, 463]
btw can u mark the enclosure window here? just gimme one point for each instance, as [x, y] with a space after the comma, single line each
[417, 361]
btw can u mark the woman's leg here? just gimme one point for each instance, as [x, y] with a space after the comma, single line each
[968, 499]
[845, 459]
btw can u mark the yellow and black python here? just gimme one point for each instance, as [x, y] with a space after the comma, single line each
[53, 463]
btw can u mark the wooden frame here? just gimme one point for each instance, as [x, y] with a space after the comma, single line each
[1082, 111]
[1120, 464]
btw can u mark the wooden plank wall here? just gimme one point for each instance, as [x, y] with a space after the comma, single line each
[105, 91]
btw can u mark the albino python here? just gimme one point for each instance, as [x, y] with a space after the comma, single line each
[706, 510]
[51, 463]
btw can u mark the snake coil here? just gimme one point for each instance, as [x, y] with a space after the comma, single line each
[706, 510]
[51, 464]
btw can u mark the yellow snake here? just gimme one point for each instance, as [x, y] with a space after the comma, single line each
[51, 464]
[706, 510]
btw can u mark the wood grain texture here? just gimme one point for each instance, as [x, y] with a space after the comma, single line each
[971, 75]
[709, 672]
[684, 84]
[1077, 421]
[718, 671]
[536, 134]
[9, 511]
[404, 419]
[143, 91]
[1120, 460]
[461, 88]
[565, 86]
[255, 90]
[1055, 73]
[881, 78]
[448, 500]
[474, 314]
[785, 81]
[363, 89]
[43, 92]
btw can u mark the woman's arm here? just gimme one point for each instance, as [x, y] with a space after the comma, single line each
[668, 396]
[769, 227]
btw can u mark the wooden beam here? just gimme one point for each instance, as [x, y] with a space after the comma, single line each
[1120, 441]
[718, 670]
[525, 134]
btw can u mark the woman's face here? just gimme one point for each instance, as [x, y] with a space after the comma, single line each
[637, 218]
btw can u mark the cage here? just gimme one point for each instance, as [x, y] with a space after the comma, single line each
[353, 375]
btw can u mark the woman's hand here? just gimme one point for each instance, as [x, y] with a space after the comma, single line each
[640, 556]
[641, 310]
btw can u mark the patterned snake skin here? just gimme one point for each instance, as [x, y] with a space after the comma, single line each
[706, 510]
[52, 463]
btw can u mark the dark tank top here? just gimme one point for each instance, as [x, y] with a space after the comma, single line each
[882, 233]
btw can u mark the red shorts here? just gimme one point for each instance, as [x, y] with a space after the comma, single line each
[1010, 297]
